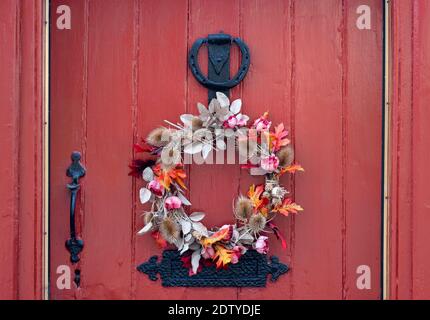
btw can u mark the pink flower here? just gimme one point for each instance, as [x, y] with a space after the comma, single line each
[231, 122]
[262, 245]
[270, 163]
[262, 124]
[238, 252]
[156, 188]
[172, 203]
[241, 122]
[208, 253]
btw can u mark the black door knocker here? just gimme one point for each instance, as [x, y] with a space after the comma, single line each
[218, 78]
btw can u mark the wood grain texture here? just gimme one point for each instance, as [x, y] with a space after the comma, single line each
[362, 118]
[9, 87]
[318, 251]
[21, 149]
[212, 187]
[421, 151]
[161, 95]
[271, 68]
[122, 70]
[68, 94]
[106, 263]
[409, 198]
[400, 155]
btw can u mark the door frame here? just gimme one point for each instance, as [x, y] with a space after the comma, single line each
[46, 148]
[386, 129]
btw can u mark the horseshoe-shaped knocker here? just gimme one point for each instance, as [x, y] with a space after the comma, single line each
[218, 78]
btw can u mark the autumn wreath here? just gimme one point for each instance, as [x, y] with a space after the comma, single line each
[262, 151]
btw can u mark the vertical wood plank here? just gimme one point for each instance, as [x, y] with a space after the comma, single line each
[107, 220]
[9, 144]
[409, 152]
[266, 29]
[362, 121]
[209, 191]
[421, 153]
[30, 151]
[318, 128]
[68, 123]
[401, 210]
[21, 148]
[161, 95]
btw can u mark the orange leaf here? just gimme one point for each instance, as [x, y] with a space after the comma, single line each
[222, 256]
[222, 234]
[258, 203]
[279, 138]
[164, 180]
[181, 183]
[159, 239]
[165, 177]
[288, 206]
[291, 169]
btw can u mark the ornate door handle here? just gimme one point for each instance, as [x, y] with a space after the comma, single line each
[75, 171]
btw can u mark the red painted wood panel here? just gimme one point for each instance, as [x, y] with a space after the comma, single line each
[409, 198]
[362, 136]
[400, 155]
[318, 256]
[8, 143]
[212, 187]
[21, 149]
[68, 95]
[108, 136]
[158, 70]
[121, 70]
[271, 69]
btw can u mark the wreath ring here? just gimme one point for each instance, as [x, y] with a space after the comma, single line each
[267, 152]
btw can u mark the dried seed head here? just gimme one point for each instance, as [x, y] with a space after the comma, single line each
[196, 123]
[159, 137]
[279, 192]
[257, 222]
[243, 208]
[276, 202]
[170, 157]
[148, 217]
[270, 184]
[170, 230]
[266, 194]
[197, 235]
[285, 156]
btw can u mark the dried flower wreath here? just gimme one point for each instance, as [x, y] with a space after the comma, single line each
[267, 153]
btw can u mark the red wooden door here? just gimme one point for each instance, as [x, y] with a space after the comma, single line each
[122, 69]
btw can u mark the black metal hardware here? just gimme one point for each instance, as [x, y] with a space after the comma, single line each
[219, 63]
[77, 279]
[75, 171]
[251, 271]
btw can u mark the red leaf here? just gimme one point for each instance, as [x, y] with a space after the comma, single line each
[145, 148]
[138, 165]
[278, 234]
[249, 165]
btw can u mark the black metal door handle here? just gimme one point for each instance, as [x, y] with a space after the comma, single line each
[75, 171]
